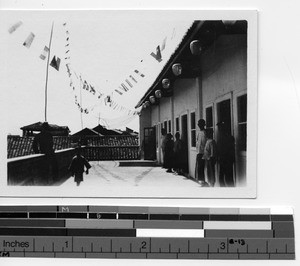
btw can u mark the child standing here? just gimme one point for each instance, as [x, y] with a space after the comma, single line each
[210, 153]
[77, 166]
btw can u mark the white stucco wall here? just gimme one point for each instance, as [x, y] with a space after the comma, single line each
[224, 67]
[186, 100]
[224, 76]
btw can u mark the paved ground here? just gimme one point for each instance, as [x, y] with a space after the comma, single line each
[110, 179]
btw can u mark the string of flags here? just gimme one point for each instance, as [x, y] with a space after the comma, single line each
[85, 85]
[129, 82]
[55, 62]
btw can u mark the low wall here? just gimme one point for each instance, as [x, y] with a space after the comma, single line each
[39, 169]
[111, 153]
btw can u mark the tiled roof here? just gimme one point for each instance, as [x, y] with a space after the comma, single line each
[38, 126]
[20, 146]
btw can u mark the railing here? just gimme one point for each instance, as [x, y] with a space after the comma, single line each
[39, 169]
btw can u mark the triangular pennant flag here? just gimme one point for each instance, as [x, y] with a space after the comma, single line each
[163, 45]
[129, 83]
[44, 53]
[14, 27]
[55, 63]
[133, 78]
[85, 85]
[157, 56]
[29, 40]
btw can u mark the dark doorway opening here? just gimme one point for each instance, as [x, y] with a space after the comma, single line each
[150, 143]
[224, 114]
[184, 138]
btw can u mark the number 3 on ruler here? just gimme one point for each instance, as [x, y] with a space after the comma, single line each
[222, 245]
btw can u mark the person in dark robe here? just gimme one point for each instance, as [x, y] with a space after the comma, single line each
[78, 165]
[178, 154]
[43, 144]
[226, 155]
[169, 153]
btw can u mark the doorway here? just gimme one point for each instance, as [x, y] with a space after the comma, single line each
[150, 143]
[224, 114]
[184, 138]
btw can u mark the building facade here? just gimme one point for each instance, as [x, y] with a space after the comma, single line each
[211, 84]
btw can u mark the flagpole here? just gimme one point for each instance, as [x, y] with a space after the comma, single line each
[80, 100]
[47, 71]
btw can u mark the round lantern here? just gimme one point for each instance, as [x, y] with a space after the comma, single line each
[158, 94]
[177, 69]
[228, 23]
[152, 99]
[166, 83]
[195, 47]
[146, 104]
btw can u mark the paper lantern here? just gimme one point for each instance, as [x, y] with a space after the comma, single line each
[195, 47]
[146, 104]
[158, 94]
[177, 69]
[228, 23]
[166, 83]
[152, 99]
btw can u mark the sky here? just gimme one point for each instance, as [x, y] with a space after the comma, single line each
[105, 47]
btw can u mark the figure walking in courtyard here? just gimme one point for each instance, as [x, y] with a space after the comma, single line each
[210, 155]
[77, 166]
[200, 144]
[226, 155]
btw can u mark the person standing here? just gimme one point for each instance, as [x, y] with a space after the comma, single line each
[43, 143]
[226, 155]
[163, 144]
[200, 144]
[178, 154]
[169, 153]
[77, 166]
[210, 155]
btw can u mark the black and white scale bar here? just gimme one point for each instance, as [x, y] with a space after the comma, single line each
[177, 248]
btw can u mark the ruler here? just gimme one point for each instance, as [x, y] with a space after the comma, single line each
[146, 232]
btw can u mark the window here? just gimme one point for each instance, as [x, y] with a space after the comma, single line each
[209, 117]
[177, 124]
[169, 126]
[242, 122]
[193, 129]
[165, 126]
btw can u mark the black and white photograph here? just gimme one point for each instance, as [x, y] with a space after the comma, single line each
[129, 103]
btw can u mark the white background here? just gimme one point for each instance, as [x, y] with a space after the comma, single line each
[278, 119]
